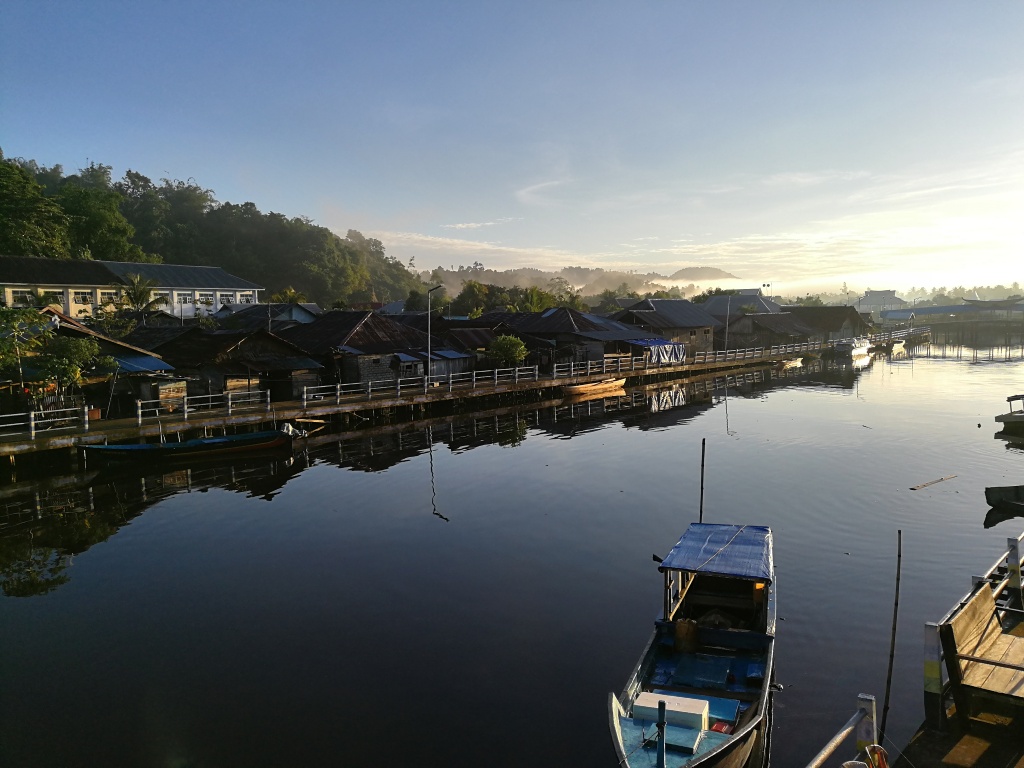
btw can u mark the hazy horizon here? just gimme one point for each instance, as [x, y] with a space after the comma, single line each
[804, 146]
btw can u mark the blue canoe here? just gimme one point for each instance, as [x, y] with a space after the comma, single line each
[203, 447]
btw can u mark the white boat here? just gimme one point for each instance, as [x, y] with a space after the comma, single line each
[709, 659]
[853, 347]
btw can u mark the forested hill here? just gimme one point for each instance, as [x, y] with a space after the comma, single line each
[89, 215]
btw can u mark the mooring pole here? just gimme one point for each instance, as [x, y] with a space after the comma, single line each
[892, 640]
[661, 734]
[703, 446]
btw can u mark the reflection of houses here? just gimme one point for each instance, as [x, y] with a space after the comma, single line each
[675, 319]
[875, 302]
[830, 323]
[363, 346]
[232, 361]
[78, 286]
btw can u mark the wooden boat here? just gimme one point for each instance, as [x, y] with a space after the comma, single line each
[203, 447]
[710, 657]
[852, 347]
[1014, 420]
[1009, 497]
[593, 387]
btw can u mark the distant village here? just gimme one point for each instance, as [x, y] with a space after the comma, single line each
[203, 331]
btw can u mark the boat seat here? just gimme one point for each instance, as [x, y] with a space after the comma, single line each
[685, 711]
[718, 708]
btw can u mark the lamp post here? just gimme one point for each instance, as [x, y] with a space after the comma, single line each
[426, 367]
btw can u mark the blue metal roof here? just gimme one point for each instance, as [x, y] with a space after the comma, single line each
[741, 551]
[141, 363]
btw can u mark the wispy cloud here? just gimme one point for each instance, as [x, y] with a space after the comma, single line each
[481, 224]
[533, 195]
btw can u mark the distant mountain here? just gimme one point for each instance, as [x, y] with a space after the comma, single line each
[702, 273]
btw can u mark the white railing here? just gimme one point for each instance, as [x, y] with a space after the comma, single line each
[187, 404]
[50, 419]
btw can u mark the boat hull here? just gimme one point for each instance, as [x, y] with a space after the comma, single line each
[200, 448]
[593, 387]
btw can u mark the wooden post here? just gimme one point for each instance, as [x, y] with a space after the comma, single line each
[449, 382]
[304, 397]
[369, 390]
[268, 401]
[892, 641]
[661, 734]
[85, 418]
[516, 375]
[32, 424]
[703, 446]
[229, 403]
[495, 377]
[934, 708]
[337, 393]
[667, 602]
[138, 412]
[867, 733]
[536, 373]
[184, 407]
[1013, 568]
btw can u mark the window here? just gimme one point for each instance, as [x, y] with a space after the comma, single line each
[227, 298]
[206, 297]
[81, 297]
[184, 298]
[246, 298]
[707, 331]
[693, 334]
[108, 297]
[22, 298]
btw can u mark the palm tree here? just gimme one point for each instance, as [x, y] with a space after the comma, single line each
[137, 294]
[288, 296]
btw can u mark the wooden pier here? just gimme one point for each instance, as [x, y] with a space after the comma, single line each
[204, 415]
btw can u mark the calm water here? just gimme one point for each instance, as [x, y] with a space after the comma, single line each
[471, 605]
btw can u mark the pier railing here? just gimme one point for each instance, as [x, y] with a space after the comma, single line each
[51, 418]
[1008, 588]
[862, 723]
[229, 402]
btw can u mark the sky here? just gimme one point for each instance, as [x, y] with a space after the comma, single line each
[800, 144]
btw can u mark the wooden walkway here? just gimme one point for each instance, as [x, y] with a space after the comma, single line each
[214, 421]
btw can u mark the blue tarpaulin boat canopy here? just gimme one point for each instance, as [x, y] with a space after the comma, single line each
[132, 363]
[740, 551]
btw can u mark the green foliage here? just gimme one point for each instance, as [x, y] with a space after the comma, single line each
[809, 301]
[97, 227]
[62, 359]
[288, 296]
[700, 298]
[507, 351]
[30, 223]
[21, 331]
[137, 294]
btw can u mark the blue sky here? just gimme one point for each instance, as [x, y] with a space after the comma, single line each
[802, 143]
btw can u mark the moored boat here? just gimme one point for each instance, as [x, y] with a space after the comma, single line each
[710, 657]
[1006, 497]
[202, 447]
[1014, 420]
[593, 387]
[853, 347]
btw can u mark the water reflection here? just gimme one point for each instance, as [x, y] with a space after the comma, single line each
[45, 523]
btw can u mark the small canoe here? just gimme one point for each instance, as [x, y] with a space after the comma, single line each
[198, 448]
[709, 659]
[593, 387]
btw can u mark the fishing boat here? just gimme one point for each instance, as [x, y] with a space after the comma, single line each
[199, 448]
[1006, 497]
[709, 659]
[853, 347]
[1014, 420]
[593, 387]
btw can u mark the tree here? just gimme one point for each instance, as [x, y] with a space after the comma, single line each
[22, 331]
[30, 224]
[700, 298]
[63, 359]
[508, 351]
[97, 227]
[137, 294]
[288, 296]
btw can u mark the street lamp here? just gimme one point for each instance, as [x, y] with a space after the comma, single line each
[769, 287]
[426, 367]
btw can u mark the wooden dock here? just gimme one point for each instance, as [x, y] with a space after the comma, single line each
[974, 676]
[362, 406]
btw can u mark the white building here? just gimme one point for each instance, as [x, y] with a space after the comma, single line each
[79, 286]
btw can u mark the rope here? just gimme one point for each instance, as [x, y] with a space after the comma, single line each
[722, 548]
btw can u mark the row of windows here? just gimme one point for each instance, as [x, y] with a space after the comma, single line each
[26, 297]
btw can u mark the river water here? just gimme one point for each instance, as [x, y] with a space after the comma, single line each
[468, 595]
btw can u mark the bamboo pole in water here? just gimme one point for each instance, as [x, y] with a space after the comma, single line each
[703, 446]
[892, 640]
